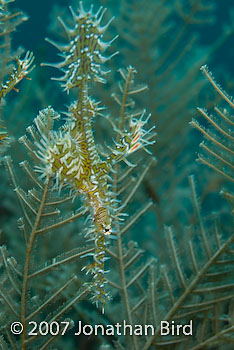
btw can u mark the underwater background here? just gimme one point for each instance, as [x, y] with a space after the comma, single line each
[116, 196]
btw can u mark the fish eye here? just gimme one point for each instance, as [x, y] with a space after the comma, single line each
[107, 231]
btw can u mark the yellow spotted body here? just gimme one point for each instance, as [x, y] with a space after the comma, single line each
[70, 155]
[75, 160]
